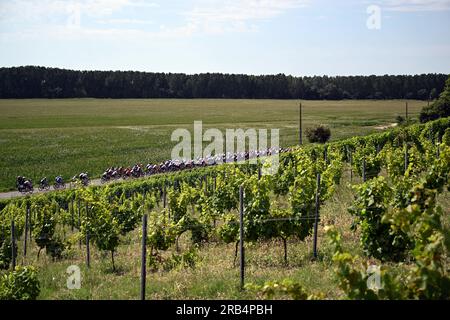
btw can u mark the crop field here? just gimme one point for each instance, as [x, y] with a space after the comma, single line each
[51, 137]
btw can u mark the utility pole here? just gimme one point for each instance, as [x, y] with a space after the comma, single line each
[300, 124]
[407, 119]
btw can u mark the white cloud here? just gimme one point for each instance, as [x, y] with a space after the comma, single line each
[235, 15]
[50, 18]
[125, 21]
[45, 10]
[416, 5]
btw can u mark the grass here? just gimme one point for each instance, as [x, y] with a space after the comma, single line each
[65, 137]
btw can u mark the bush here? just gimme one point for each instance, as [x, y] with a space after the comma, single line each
[400, 120]
[320, 134]
[20, 284]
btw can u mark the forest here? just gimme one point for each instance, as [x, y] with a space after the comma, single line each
[51, 83]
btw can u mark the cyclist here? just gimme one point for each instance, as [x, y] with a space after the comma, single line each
[44, 181]
[20, 181]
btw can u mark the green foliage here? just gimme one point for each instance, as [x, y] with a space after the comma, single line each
[228, 231]
[256, 209]
[187, 259]
[98, 221]
[272, 289]
[20, 284]
[45, 222]
[55, 248]
[372, 200]
[419, 220]
[302, 196]
[353, 276]
[6, 254]
[10, 212]
[162, 233]
[285, 176]
[226, 195]
[372, 161]
[128, 214]
[446, 137]
[440, 108]
[178, 203]
[399, 119]
[320, 134]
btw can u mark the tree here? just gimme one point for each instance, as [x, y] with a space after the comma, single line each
[40, 82]
[440, 108]
[320, 134]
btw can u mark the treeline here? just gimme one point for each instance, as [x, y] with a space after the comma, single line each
[41, 82]
[440, 108]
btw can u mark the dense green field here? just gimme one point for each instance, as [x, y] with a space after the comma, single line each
[50, 137]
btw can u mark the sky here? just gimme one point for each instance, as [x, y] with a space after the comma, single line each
[294, 37]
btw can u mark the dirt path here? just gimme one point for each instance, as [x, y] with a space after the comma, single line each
[388, 126]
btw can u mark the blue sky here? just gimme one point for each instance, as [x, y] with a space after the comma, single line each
[298, 37]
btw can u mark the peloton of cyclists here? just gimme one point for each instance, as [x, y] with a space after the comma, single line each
[138, 170]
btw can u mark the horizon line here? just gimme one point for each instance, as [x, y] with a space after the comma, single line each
[222, 73]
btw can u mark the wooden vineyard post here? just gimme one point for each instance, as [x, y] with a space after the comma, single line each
[241, 236]
[259, 172]
[406, 158]
[300, 125]
[316, 218]
[71, 215]
[88, 251]
[164, 197]
[350, 157]
[144, 256]
[26, 231]
[79, 222]
[294, 169]
[30, 224]
[406, 111]
[364, 169]
[13, 245]
[438, 150]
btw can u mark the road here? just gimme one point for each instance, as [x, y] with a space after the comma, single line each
[16, 194]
